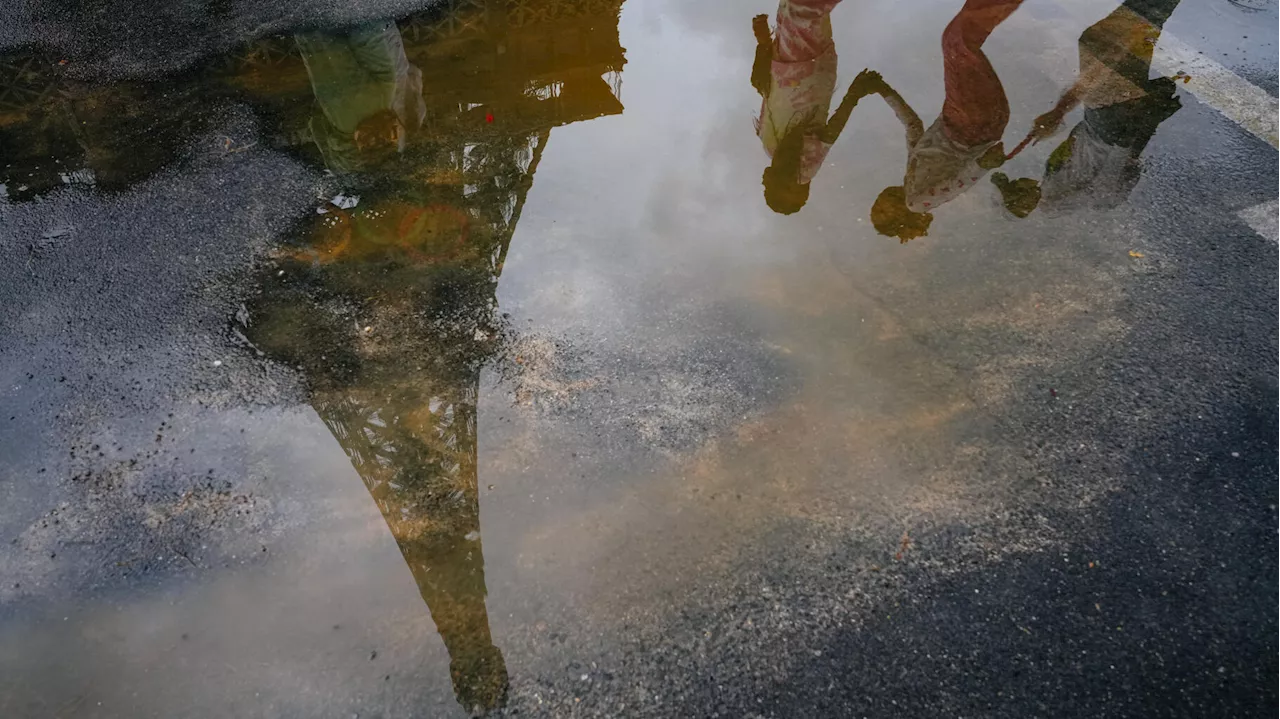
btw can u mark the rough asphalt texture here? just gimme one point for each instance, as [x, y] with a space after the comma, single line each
[1161, 603]
[113, 40]
[1185, 570]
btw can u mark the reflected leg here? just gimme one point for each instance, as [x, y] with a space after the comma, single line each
[976, 109]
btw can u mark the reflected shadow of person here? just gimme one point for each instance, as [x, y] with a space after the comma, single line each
[1099, 163]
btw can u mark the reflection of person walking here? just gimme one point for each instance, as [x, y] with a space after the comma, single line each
[964, 143]
[368, 92]
[795, 74]
[1099, 163]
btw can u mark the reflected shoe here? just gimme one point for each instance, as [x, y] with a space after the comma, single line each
[1020, 197]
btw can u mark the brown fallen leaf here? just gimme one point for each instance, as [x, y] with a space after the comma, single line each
[1135, 253]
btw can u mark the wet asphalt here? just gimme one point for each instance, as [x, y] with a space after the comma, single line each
[1106, 545]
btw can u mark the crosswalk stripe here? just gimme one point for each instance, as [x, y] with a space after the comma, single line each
[1264, 219]
[1244, 103]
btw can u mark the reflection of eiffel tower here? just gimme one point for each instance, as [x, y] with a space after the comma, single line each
[54, 130]
[535, 64]
[402, 400]
[29, 138]
[418, 263]
[24, 82]
[415, 450]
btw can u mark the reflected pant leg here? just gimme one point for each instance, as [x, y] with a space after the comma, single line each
[1125, 40]
[1155, 12]
[976, 109]
[379, 50]
[803, 29]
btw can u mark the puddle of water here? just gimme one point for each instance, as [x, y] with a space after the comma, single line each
[706, 332]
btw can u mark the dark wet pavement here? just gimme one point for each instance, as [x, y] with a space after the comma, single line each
[582, 358]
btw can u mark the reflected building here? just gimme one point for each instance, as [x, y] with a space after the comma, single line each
[389, 307]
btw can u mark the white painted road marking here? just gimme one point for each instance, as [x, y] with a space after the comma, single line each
[1264, 219]
[1239, 100]
[1244, 103]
